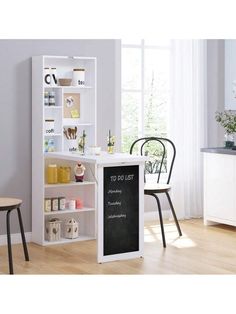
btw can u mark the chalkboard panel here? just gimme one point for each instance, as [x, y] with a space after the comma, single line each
[121, 209]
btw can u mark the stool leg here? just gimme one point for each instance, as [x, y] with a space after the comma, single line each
[23, 235]
[9, 243]
[173, 213]
[161, 220]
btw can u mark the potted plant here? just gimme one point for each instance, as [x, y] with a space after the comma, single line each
[227, 120]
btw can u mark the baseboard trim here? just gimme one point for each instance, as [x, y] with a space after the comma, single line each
[15, 238]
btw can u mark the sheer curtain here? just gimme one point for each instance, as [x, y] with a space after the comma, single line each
[187, 127]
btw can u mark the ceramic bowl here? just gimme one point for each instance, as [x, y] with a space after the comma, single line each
[65, 81]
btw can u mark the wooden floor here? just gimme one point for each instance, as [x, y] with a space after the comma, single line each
[201, 250]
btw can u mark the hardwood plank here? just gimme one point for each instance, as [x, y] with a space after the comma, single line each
[201, 250]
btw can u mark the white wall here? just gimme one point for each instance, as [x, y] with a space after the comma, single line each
[15, 107]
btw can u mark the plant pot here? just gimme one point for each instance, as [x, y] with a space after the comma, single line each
[229, 140]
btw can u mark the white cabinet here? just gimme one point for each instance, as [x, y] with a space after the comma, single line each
[219, 188]
[230, 74]
[61, 117]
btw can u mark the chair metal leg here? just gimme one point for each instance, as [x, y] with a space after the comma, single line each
[173, 213]
[9, 243]
[161, 220]
[23, 235]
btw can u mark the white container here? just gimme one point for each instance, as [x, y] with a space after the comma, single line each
[71, 229]
[94, 150]
[71, 204]
[72, 145]
[53, 230]
[49, 126]
[53, 77]
[78, 77]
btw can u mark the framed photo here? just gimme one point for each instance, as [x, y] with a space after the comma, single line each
[71, 105]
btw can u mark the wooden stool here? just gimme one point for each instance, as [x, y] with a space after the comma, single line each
[8, 204]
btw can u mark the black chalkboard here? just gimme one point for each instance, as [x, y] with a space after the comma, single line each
[121, 209]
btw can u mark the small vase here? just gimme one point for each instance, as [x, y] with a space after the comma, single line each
[229, 140]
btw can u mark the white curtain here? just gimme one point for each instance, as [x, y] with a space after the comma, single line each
[187, 127]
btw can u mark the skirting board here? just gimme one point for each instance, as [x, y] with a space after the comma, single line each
[15, 238]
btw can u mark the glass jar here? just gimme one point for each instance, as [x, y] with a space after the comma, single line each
[64, 174]
[52, 100]
[51, 174]
[229, 140]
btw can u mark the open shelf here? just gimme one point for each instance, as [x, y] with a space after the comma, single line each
[72, 183]
[69, 87]
[54, 134]
[64, 240]
[69, 211]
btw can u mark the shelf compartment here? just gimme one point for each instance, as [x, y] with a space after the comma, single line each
[65, 241]
[54, 134]
[72, 183]
[69, 211]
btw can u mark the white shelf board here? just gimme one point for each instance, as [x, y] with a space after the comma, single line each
[65, 241]
[69, 87]
[69, 211]
[74, 121]
[72, 183]
[52, 107]
[54, 134]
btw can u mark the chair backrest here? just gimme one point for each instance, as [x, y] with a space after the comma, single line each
[156, 149]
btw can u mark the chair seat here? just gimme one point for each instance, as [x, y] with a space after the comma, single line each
[6, 203]
[156, 187]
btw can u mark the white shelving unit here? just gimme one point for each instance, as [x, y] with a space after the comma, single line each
[86, 190]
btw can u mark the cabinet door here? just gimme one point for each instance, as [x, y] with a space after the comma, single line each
[230, 74]
[220, 186]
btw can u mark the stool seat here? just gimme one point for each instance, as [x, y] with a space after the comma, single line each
[6, 202]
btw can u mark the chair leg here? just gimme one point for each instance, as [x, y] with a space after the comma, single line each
[23, 235]
[161, 220]
[173, 213]
[9, 243]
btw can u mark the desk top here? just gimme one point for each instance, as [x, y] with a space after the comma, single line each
[103, 158]
[219, 150]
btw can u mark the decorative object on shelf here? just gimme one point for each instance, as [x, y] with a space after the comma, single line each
[46, 98]
[71, 204]
[47, 76]
[64, 174]
[71, 136]
[79, 172]
[52, 177]
[51, 98]
[94, 150]
[82, 143]
[49, 145]
[78, 77]
[47, 205]
[53, 229]
[71, 105]
[61, 203]
[227, 120]
[53, 77]
[79, 203]
[65, 81]
[111, 143]
[71, 229]
[54, 204]
[49, 125]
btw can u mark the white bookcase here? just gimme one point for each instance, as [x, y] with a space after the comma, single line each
[40, 159]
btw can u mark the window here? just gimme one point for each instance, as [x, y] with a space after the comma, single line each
[145, 90]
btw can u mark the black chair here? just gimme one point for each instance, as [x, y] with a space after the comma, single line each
[156, 149]
[9, 204]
